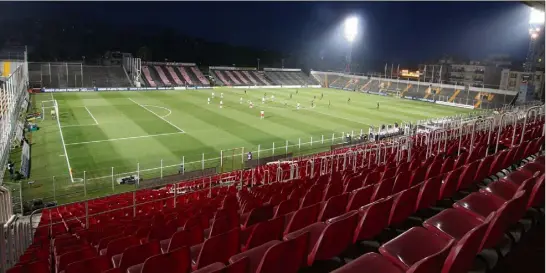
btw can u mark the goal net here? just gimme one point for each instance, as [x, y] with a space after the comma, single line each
[50, 110]
[232, 159]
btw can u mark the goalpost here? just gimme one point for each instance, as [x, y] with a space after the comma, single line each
[232, 159]
[50, 109]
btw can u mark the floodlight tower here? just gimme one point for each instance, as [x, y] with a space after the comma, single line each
[350, 31]
[536, 30]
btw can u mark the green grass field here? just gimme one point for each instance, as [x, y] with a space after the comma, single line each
[115, 133]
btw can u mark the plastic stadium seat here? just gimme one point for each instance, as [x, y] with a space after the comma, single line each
[257, 215]
[74, 256]
[418, 175]
[416, 245]
[241, 266]
[428, 194]
[371, 263]
[536, 198]
[434, 169]
[207, 252]
[179, 239]
[383, 189]
[176, 261]
[103, 243]
[335, 206]
[329, 239]
[404, 205]
[454, 224]
[118, 245]
[34, 267]
[482, 204]
[286, 207]
[254, 255]
[332, 190]
[135, 255]
[212, 268]
[401, 182]
[312, 197]
[219, 226]
[92, 265]
[466, 178]
[461, 257]
[301, 218]
[449, 184]
[372, 178]
[291, 252]
[373, 219]
[353, 184]
[483, 168]
[447, 166]
[360, 197]
[264, 232]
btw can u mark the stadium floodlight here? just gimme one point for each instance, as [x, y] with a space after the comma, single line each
[351, 28]
[536, 17]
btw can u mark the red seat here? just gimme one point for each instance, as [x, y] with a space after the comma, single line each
[383, 189]
[335, 206]
[479, 204]
[537, 195]
[312, 197]
[466, 178]
[292, 253]
[461, 256]
[329, 239]
[401, 182]
[434, 169]
[428, 195]
[219, 226]
[360, 197]
[301, 218]
[176, 261]
[91, 265]
[418, 175]
[332, 190]
[34, 267]
[255, 255]
[207, 252]
[212, 268]
[372, 263]
[373, 219]
[74, 256]
[179, 239]
[483, 168]
[404, 204]
[286, 207]
[257, 215]
[135, 255]
[353, 184]
[447, 166]
[449, 184]
[118, 245]
[264, 232]
[415, 246]
[372, 178]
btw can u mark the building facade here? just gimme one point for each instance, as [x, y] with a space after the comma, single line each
[513, 80]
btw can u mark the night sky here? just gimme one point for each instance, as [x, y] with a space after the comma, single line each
[401, 32]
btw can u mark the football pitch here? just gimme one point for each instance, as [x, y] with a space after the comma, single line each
[102, 136]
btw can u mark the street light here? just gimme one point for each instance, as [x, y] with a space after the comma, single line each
[350, 28]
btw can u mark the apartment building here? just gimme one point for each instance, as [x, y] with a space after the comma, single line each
[475, 74]
[512, 80]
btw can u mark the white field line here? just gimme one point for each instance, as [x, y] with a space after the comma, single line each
[64, 145]
[123, 138]
[170, 112]
[78, 125]
[178, 128]
[96, 122]
[326, 140]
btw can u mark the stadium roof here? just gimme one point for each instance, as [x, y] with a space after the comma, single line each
[540, 5]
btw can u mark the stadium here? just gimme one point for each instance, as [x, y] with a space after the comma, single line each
[175, 166]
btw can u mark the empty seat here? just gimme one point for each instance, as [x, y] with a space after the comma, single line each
[118, 245]
[404, 205]
[286, 207]
[428, 195]
[329, 239]
[74, 256]
[176, 261]
[416, 245]
[207, 252]
[135, 255]
[301, 218]
[373, 219]
[212, 268]
[383, 189]
[34, 267]
[91, 265]
[371, 263]
[332, 190]
[335, 206]
[254, 255]
[264, 232]
[257, 215]
[360, 197]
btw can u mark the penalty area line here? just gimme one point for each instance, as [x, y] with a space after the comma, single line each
[123, 138]
[96, 122]
[178, 128]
